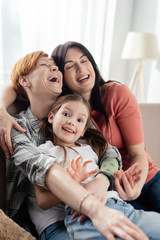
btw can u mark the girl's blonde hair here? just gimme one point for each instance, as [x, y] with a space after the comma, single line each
[24, 66]
[93, 137]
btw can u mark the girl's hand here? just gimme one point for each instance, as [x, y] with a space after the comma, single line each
[126, 182]
[78, 170]
[6, 123]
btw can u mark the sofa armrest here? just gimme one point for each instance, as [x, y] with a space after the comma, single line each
[151, 126]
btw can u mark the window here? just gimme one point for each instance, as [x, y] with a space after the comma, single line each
[31, 25]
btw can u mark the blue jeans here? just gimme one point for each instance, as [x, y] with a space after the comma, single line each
[148, 222]
[56, 231]
[149, 199]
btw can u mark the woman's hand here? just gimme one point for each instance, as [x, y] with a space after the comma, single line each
[126, 182]
[112, 224]
[78, 170]
[6, 123]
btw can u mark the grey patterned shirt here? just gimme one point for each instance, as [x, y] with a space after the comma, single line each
[30, 162]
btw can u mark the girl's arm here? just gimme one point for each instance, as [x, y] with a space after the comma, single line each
[109, 163]
[8, 96]
[45, 198]
[126, 183]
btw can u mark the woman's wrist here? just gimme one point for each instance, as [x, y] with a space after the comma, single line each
[82, 200]
[90, 205]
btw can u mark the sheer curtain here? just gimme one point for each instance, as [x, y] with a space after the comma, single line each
[31, 25]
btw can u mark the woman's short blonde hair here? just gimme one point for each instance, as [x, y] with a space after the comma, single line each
[24, 66]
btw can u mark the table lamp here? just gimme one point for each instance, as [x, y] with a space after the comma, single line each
[139, 46]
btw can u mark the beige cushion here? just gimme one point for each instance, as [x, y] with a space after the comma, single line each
[9, 230]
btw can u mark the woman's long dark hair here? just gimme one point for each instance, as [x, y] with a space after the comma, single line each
[59, 55]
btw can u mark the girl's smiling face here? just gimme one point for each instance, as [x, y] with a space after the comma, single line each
[79, 74]
[69, 123]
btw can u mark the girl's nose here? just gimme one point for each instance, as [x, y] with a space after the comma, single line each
[70, 122]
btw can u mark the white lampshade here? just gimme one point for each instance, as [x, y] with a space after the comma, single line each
[140, 46]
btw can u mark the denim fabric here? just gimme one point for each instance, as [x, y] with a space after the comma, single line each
[56, 231]
[148, 222]
[149, 199]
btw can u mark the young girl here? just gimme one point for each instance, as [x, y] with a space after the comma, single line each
[69, 119]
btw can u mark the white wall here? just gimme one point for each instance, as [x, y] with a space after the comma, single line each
[139, 16]
[118, 67]
[153, 91]
[104, 38]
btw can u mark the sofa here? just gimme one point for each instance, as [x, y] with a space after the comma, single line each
[151, 126]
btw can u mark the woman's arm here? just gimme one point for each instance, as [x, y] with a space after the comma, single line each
[129, 129]
[107, 221]
[77, 171]
[138, 154]
[8, 96]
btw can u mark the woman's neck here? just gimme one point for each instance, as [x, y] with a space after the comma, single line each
[87, 96]
[41, 108]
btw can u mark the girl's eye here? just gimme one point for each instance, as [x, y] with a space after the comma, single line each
[80, 120]
[66, 114]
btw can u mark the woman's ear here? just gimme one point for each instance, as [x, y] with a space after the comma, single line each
[50, 117]
[23, 81]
